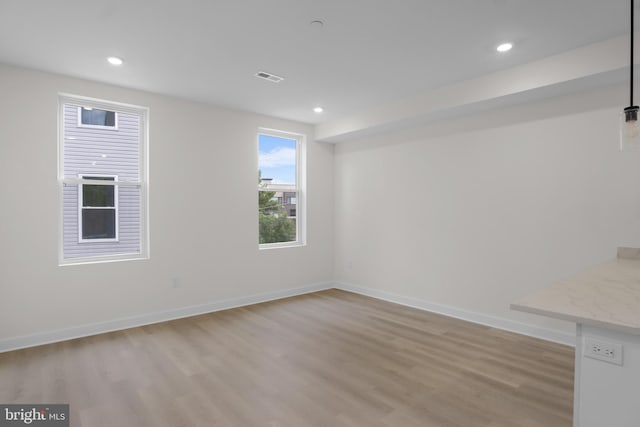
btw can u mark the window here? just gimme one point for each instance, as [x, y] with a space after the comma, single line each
[281, 189]
[88, 116]
[98, 219]
[102, 180]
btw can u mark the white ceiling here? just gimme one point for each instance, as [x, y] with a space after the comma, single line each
[368, 53]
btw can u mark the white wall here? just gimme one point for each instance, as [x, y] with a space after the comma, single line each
[469, 215]
[203, 205]
[462, 216]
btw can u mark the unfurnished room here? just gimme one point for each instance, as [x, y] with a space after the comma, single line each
[319, 213]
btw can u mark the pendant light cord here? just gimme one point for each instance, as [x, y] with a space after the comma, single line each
[631, 67]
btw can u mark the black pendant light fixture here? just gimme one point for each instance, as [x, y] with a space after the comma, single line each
[629, 125]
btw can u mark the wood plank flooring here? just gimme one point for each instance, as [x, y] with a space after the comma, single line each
[330, 358]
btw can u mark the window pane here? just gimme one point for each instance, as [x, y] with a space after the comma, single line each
[276, 160]
[98, 223]
[277, 219]
[96, 117]
[98, 195]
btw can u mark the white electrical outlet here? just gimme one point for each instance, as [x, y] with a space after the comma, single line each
[595, 348]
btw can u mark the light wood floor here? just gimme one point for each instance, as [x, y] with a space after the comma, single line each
[326, 359]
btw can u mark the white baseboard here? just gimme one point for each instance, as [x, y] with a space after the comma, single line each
[49, 337]
[15, 343]
[483, 319]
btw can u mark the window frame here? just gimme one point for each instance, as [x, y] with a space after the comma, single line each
[300, 187]
[142, 183]
[105, 127]
[84, 177]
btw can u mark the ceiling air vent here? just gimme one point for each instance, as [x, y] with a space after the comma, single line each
[268, 76]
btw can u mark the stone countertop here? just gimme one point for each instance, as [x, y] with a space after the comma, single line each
[606, 296]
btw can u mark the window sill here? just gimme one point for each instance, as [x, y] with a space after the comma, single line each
[268, 246]
[101, 259]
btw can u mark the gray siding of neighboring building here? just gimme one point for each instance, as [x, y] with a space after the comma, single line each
[95, 151]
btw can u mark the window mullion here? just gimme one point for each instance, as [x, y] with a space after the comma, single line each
[79, 181]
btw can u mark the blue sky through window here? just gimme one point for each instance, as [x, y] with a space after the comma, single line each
[277, 159]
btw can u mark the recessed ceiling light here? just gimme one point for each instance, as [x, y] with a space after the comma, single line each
[114, 60]
[318, 110]
[317, 24]
[504, 47]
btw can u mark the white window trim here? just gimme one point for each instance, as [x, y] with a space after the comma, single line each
[86, 180]
[143, 184]
[82, 125]
[300, 187]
